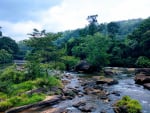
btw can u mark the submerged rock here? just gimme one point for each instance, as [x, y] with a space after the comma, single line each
[108, 81]
[116, 93]
[86, 108]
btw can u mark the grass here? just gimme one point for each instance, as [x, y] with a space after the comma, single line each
[20, 101]
[14, 85]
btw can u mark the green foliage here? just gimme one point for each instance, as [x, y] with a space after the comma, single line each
[10, 74]
[9, 45]
[16, 89]
[23, 49]
[95, 48]
[20, 101]
[33, 70]
[26, 99]
[143, 61]
[43, 48]
[4, 105]
[3, 96]
[5, 57]
[69, 61]
[113, 29]
[133, 106]
[92, 29]
[139, 40]
[50, 81]
[57, 65]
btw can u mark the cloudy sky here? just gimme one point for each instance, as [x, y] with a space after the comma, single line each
[19, 17]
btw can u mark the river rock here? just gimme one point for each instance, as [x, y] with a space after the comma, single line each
[78, 104]
[108, 81]
[122, 109]
[116, 93]
[147, 85]
[65, 82]
[142, 78]
[84, 66]
[103, 111]
[70, 94]
[109, 72]
[86, 108]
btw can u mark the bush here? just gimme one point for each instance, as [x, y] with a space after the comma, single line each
[22, 87]
[143, 61]
[5, 56]
[12, 75]
[57, 65]
[131, 105]
[50, 81]
[69, 61]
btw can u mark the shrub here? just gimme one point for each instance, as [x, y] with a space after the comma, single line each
[50, 81]
[69, 61]
[57, 65]
[12, 75]
[22, 87]
[143, 61]
[131, 105]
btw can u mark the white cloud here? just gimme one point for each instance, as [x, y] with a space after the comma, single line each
[72, 14]
[18, 31]
[129, 9]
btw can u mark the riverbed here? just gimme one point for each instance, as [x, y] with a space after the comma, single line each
[126, 86]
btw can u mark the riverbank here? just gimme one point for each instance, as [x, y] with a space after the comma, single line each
[82, 94]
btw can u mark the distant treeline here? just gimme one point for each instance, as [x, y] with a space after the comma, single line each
[121, 43]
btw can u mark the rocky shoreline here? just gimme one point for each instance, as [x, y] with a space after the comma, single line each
[83, 87]
[76, 92]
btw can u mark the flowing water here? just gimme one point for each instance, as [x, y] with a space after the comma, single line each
[126, 86]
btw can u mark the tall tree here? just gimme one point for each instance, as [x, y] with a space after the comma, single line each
[9, 45]
[112, 28]
[94, 50]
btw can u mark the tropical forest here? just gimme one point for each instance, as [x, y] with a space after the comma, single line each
[100, 68]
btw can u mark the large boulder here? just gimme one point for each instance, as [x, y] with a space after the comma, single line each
[142, 78]
[84, 66]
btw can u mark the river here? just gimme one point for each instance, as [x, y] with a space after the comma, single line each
[126, 86]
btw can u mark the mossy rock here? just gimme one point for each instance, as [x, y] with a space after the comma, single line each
[127, 105]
